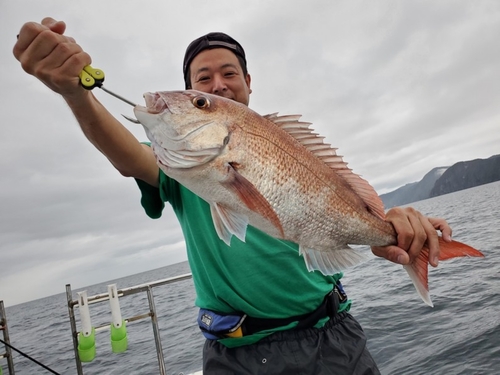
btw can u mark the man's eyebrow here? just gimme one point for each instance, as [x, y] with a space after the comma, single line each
[229, 65]
[203, 69]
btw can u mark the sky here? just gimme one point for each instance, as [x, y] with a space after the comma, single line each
[400, 87]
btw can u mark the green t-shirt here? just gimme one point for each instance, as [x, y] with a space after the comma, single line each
[263, 277]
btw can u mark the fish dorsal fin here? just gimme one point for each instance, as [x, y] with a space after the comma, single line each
[305, 135]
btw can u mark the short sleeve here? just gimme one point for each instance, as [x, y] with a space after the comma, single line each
[151, 199]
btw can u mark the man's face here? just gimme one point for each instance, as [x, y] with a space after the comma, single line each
[218, 71]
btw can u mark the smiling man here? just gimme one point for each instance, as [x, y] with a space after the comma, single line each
[219, 69]
[260, 309]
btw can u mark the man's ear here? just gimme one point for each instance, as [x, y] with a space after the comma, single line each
[248, 80]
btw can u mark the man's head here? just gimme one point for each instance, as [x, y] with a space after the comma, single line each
[216, 63]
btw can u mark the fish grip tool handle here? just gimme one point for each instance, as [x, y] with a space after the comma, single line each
[91, 77]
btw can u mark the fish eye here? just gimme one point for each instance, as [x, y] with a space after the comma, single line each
[201, 102]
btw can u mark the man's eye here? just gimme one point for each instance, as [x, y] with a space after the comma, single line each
[204, 78]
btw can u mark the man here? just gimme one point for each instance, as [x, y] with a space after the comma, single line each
[261, 310]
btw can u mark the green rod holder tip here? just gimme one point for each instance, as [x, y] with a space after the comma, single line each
[119, 340]
[86, 346]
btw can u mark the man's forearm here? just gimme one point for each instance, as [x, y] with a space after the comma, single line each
[112, 139]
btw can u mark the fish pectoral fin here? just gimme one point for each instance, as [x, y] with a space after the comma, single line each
[251, 197]
[331, 261]
[227, 222]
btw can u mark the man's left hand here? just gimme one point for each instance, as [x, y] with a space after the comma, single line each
[414, 230]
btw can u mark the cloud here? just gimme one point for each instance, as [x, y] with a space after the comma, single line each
[398, 87]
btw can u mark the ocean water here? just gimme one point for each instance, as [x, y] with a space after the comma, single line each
[460, 335]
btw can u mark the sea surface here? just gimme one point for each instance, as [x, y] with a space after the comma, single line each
[460, 335]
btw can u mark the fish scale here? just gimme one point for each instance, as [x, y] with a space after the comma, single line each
[313, 212]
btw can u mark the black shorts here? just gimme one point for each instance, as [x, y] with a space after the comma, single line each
[337, 348]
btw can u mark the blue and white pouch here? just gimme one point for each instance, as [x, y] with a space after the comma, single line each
[216, 325]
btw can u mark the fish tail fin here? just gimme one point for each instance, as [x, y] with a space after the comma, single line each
[455, 249]
[418, 270]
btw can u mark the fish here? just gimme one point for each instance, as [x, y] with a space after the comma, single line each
[276, 174]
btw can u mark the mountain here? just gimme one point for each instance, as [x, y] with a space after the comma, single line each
[467, 174]
[444, 180]
[414, 191]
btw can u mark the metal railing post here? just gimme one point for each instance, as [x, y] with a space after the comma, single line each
[74, 331]
[6, 338]
[156, 331]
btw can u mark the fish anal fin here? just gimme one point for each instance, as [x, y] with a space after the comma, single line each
[331, 261]
[251, 197]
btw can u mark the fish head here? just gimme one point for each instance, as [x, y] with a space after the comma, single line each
[186, 128]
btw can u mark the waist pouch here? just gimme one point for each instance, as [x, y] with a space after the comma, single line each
[215, 325]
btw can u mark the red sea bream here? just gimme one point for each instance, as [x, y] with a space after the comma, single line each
[274, 173]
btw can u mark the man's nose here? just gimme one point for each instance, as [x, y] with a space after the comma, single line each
[219, 84]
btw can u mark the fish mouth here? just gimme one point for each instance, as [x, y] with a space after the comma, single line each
[154, 106]
[154, 103]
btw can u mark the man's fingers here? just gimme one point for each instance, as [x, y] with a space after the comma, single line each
[68, 59]
[443, 227]
[52, 57]
[419, 235]
[432, 241]
[40, 48]
[31, 30]
[56, 26]
[400, 219]
[27, 34]
[414, 231]
[392, 253]
[47, 21]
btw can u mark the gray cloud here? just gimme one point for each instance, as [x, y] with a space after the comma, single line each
[398, 87]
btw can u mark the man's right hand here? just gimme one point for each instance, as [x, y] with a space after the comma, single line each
[55, 59]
